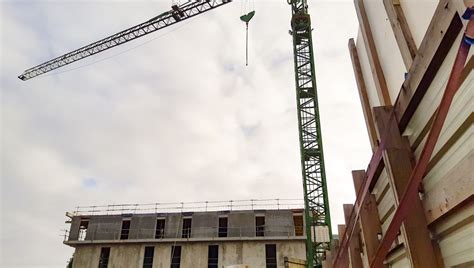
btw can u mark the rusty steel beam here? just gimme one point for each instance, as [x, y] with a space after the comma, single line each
[416, 177]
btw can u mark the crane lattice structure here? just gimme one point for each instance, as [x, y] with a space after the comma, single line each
[317, 215]
[316, 202]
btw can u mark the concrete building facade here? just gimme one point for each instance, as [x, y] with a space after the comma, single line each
[245, 238]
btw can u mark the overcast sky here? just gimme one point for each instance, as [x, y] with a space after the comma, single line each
[179, 118]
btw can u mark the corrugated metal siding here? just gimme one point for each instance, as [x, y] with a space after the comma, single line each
[402, 263]
[458, 152]
[458, 247]
[380, 185]
[432, 98]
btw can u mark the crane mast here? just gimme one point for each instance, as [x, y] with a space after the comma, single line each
[317, 217]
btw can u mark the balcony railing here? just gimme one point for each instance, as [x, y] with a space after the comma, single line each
[202, 233]
[203, 206]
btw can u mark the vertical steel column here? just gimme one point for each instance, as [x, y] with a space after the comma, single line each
[311, 148]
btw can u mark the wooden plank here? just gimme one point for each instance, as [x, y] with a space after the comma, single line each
[369, 220]
[375, 66]
[354, 247]
[397, 158]
[364, 98]
[344, 262]
[439, 38]
[402, 32]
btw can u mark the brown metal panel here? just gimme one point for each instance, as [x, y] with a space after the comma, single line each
[364, 99]
[397, 159]
[372, 54]
[354, 246]
[402, 32]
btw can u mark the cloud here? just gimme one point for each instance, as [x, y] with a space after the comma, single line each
[177, 119]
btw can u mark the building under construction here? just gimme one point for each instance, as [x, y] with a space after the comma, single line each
[238, 234]
[414, 208]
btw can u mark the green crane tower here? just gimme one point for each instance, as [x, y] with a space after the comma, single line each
[317, 217]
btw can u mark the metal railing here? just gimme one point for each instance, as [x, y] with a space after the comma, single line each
[205, 233]
[203, 206]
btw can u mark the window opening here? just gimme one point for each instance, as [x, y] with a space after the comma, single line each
[223, 227]
[148, 258]
[186, 228]
[213, 256]
[175, 256]
[298, 222]
[104, 257]
[260, 225]
[125, 229]
[160, 229]
[270, 256]
[83, 230]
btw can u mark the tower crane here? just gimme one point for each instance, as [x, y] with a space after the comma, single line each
[316, 204]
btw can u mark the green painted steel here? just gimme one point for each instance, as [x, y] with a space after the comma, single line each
[311, 147]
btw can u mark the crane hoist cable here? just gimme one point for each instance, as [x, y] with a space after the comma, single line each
[246, 18]
[247, 8]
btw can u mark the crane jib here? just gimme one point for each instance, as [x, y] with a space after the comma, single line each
[176, 14]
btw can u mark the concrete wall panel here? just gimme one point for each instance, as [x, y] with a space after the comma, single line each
[86, 257]
[292, 250]
[279, 223]
[74, 230]
[104, 227]
[142, 226]
[254, 254]
[205, 224]
[230, 254]
[162, 256]
[126, 256]
[194, 255]
[241, 223]
[173, 225]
